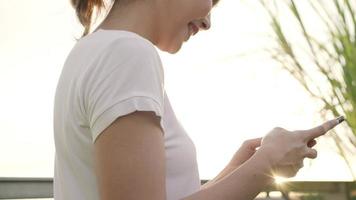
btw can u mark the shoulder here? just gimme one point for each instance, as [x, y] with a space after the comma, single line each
[115, 44]
[129, 49]
[127, 43]
[123, 56]
[119, 56]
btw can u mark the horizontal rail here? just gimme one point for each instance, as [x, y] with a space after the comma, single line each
[16, 188]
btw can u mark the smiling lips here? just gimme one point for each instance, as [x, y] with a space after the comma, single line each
[193, 29]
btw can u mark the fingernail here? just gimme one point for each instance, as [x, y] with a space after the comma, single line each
[340, 119]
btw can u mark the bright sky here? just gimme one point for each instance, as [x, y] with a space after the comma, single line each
[223, 88]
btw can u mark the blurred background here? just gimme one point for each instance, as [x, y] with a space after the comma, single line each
[261, 65]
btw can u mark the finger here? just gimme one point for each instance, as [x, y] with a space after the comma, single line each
[311, 143]
[319, 130]
[253, 143]
[310, 153]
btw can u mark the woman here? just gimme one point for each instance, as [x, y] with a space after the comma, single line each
[115, 132]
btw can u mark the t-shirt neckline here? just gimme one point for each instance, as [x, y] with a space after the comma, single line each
[122, 31]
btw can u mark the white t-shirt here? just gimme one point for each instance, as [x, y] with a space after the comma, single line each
[109, 74]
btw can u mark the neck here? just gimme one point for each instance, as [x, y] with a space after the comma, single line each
[135, 17]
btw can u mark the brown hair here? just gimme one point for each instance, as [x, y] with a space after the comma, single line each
[84, 10]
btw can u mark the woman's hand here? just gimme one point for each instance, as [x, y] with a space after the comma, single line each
[248, 149]
[245, 152]
[281, 152]
[285, 150]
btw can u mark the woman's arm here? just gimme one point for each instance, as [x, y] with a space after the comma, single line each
[130, 164]
[130, 159]
[245, 152]
[242, 183]
[227, 170]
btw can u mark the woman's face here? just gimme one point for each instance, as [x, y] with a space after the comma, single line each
[181, 19]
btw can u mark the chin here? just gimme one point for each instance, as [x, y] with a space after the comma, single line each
[172, 49]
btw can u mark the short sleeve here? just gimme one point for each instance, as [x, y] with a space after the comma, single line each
[126, 77]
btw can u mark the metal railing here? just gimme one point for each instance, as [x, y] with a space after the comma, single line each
[17, 188]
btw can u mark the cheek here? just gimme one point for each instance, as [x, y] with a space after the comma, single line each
[179, 35]
[203, 8]
[176, 22]
[174, 39]
[193, 9]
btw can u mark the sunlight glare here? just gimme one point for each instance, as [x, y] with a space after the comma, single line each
[280, 180]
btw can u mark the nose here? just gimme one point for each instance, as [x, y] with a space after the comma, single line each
[204, 23]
